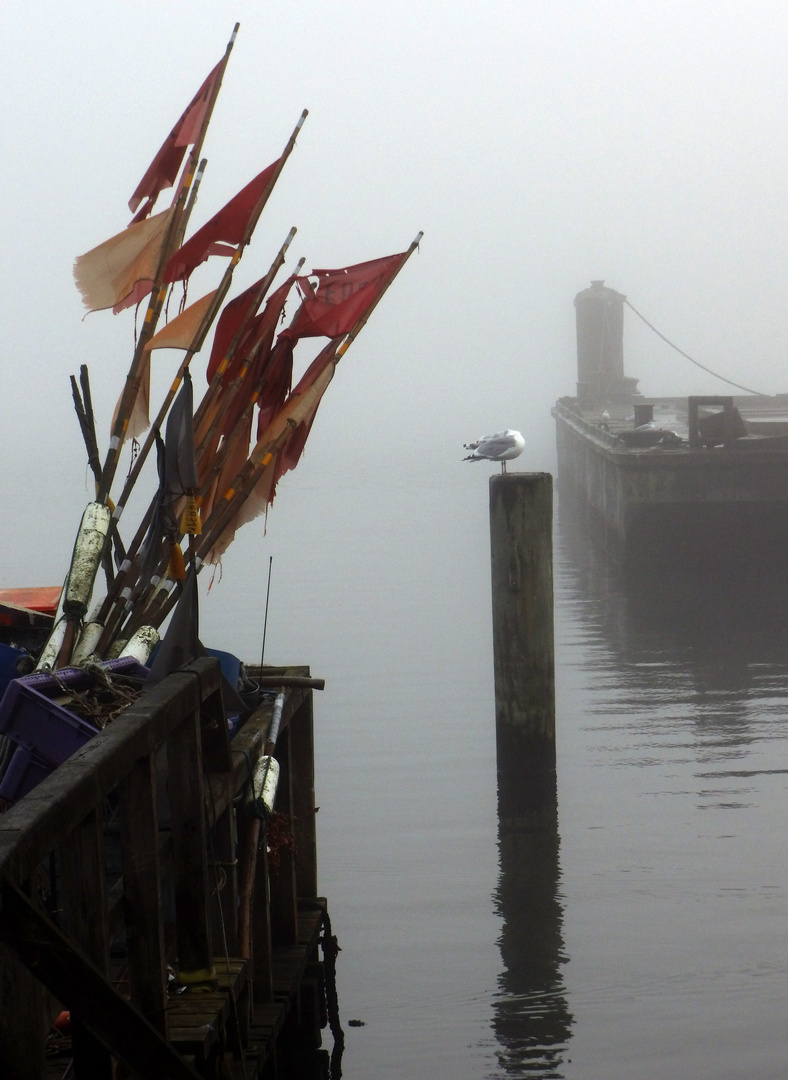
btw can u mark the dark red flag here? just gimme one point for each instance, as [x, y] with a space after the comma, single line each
[274, 383]
[163, 170]
[291, 452]
[225, 228]
[334, 303]
[237, 312]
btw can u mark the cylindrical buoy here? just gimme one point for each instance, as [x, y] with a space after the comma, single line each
[141, 644]
[521, 535]
[266, 779]
[87, 643]
[49, 653]
[86, 558]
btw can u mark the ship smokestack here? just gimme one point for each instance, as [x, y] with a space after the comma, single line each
[600, 346]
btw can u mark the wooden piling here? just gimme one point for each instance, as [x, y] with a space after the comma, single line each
[521, 541]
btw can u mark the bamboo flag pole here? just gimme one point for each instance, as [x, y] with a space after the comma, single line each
[189, 179]
[156, 607]
[88, 433]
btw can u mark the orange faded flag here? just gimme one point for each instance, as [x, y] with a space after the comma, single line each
[121, 271]
[180, 332]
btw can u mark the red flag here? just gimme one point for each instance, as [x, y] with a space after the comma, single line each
[227, 227]
[299, 412]
[238, 312]
[278, 375]
[333, 305]
[163, 170]
[314, 379]
[256, 355]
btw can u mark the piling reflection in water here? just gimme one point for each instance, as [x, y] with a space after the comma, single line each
[672, 889]
[532, 1021]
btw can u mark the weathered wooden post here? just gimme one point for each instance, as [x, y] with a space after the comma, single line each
[521, 540]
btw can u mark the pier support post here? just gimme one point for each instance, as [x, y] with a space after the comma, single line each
[521, 541]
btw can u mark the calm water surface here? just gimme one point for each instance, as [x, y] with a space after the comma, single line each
[638, 928]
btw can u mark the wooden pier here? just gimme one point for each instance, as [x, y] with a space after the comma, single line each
[139, 893]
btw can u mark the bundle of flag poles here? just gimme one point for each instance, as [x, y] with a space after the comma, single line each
[219, 463]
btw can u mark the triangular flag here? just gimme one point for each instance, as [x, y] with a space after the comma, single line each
[108, 275]
[296, 414]
[139, 420]
[335, 300]
[180, 332]
[163, 170]
[225, 228]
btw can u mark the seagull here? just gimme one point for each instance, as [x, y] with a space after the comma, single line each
[503, 446]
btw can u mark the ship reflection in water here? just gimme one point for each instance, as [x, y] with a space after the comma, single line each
[654, 947]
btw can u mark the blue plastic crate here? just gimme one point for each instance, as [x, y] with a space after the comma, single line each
[9, 658]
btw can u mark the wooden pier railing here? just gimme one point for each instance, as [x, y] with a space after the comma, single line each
[122, 879]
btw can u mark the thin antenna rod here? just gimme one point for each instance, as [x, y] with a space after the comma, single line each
[265, 617]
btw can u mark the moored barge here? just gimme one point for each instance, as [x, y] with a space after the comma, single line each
[667, 481]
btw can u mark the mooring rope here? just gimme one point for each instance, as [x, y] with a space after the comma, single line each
[681, 352]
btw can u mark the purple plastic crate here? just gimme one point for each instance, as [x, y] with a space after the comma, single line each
[77, 679]
[39, 724]
[46, 733]
[25, 771]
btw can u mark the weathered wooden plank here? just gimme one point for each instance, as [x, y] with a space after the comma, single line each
[31, 829]
[302, 771]
[76, 982]
[189, 851]
[23, 1023]
[139, 839]
[215, 735]
[310, 921]
[84, 900]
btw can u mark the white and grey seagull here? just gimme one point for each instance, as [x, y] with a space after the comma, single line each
[503, 446]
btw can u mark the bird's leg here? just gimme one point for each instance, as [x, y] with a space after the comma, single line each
[503, 467]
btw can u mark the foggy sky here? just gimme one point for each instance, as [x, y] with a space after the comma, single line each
[537, 145]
